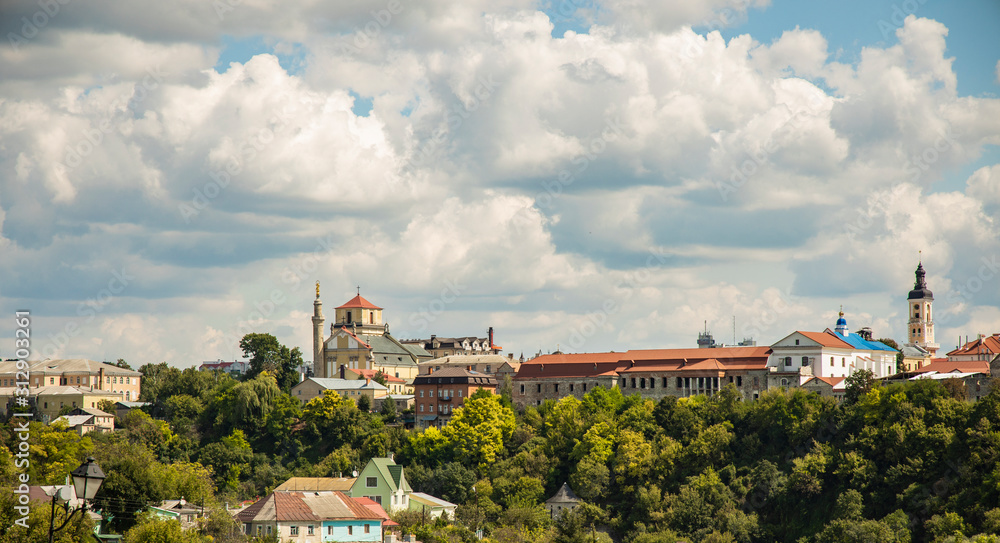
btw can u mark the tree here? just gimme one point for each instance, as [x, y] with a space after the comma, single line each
[266, 354]
[364, 403]
[857, 385]
[108, 406]
[388, 410]
[381, 378]
[121, 363]
[479, 428]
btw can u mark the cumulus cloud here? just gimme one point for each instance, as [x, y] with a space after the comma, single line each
[602, 190]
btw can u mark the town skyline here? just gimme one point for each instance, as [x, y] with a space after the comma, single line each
[583, 176]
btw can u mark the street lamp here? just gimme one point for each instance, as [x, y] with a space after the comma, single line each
[87, 481]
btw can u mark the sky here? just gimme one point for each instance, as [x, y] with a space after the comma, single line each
[581, 175]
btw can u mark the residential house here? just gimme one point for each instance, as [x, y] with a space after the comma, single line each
[431, 507]
[394, 384]
[181, 510]
[439, 393]
[235, 368]
[982, 348]
[74, 372]
[830, 387]
[483, 363]
[86, 419]
[353, 389]
[315, 484]
[439, 347]
[383, 481]
[48, 401]
[311, 517]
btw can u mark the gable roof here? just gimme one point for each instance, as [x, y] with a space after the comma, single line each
[359, 302]
[947, 366]
[316, 483]
[564, 494]
[306, 506]
[826, 340]
[391, 473]
[832, 381]
[330, 383]
[987, 345]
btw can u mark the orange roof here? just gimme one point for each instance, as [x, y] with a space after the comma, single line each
[826, 340]
[719, 353]
[358, 301]
[604, 364]
[832, 381]
[986, 345]
[966, 366]
[374, 507]
[370, 374]
[359, 340]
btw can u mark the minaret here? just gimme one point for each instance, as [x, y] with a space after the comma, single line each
[920, 327]
[319, 360]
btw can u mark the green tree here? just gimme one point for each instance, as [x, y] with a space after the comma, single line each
[266, 354]
[388, 410]
[857, 385]
[478, 429]
[364, 403]
[151, 529]
[121, 363]
[35, 527]
[381, 378]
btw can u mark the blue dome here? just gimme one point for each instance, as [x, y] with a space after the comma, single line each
[841, 321]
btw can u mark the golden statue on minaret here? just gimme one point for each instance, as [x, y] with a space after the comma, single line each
[317, 289]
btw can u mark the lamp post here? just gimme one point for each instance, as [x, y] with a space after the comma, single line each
[87, 481]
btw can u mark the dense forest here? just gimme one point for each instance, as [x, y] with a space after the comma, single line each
[906, 462]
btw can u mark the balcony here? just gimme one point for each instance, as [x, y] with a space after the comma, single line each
[444, 398]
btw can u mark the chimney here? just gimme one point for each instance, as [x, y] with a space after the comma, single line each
[430, 370]
[510, 356]
[342, 371]
[367, 381]
[491, 337]
[468, 368]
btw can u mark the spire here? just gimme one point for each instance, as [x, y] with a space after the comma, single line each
[920, 290]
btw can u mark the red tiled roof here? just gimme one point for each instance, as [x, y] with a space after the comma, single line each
[719, 353]
[373, 507]
[967, 366]
[607, 364]
[826, 340]
[358, 301]
[356, 338]
[986, 346]
[370, 374]
[289, 506]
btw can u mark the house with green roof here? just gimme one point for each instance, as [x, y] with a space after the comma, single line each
[382, 480]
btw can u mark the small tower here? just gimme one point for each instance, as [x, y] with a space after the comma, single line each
[360, 317]
[841, 328]
[920, 326]
[319, 361]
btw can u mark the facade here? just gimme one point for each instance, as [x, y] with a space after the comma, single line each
[830, 387]
[85, 420]
[353, 389]
[311, 517]
[75, 372]
[360, 340]
[982, 348]
[403, 402]
[383, 482]
[184, 512]
[453, 346]
[920, 325]
[49, 400]
[487, 364]
[439, 393]
[914, 357]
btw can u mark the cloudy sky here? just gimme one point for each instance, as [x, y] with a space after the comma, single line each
[590, 175]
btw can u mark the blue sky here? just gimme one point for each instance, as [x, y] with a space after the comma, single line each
[225, 161]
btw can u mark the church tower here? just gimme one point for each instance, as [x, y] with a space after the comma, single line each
[319, 363]
[920, 327]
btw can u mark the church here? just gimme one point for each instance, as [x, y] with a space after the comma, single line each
[360, 340]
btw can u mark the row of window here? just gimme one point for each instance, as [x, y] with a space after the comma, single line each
[294, 530]
[70, 381]
[555, 387]
[443, 394]
[443, 409]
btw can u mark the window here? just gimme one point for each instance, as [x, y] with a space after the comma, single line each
[805, 360]
[431, 393]
[371, 482]
[368, 528]
[522, 389]
[539, 388]
[268, 530]
[459, 393]
[642, 382]
[309, 530]
[555, 388]
[350, 530]
[247, 528]
[739, 381]
[784, 382]
[796, 342]
[571, 387]
[294, 530]
[843, 362]
[431, 408]
[831, 360]
[585, 387]
[421, 408]
[421, 393]
[680, 382]
[487, 368]
[329, 530]
[52, 380]
[633, 382]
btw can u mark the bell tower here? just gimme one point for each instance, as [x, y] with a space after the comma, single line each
[920, 325]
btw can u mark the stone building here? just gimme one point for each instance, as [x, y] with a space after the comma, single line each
[439, 393]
